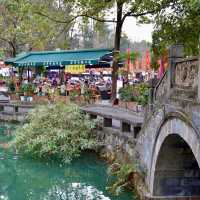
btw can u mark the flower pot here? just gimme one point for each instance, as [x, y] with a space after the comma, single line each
[29, 99]
[139, 108]
[132, 105]
[22, 98]
[122, 104]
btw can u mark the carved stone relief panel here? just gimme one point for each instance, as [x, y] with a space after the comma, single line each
[186, 74]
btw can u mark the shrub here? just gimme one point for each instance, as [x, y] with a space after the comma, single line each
[28, 88]
[138, 93]
[143, 96]
[121, 178]
[73, 95]
[127, 93]
[11, 86]
[55, 131]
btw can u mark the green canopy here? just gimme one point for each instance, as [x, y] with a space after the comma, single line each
[59, 58]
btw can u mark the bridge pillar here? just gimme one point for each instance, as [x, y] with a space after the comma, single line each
[175, 53]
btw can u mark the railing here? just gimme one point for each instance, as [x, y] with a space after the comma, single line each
[161, 88]
[127, 123]
[180, 81]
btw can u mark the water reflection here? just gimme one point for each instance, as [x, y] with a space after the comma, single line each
[75, 191]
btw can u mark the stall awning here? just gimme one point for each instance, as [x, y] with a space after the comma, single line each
[61, 58]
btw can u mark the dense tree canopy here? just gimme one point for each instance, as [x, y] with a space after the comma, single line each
[21, 29]
[180, 24]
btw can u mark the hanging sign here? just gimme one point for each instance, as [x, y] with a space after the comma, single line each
[75, 69]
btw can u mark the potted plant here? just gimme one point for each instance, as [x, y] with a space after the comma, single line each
[73, 95]
[127, 97]
[27, 89]
[134, 97]
[11, 86]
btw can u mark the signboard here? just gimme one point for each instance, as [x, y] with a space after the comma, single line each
[75, 69]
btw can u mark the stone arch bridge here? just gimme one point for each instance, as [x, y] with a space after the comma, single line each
[166, 142]
[169, 141]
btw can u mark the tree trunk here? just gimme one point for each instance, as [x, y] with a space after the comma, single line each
[21, 70]
[13, 48]
[116, 51]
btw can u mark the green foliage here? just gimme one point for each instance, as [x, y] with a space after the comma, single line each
[125, 55]
[121, 178]
[87, 94]
[143, 96]
[179, 25]
[28, 88]
[127, 93]
[138, 93]
[11, 86]
[41, 70]
[55, 131]
[73, 95]
[22, 29]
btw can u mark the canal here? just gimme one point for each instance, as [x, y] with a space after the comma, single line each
[27, 179]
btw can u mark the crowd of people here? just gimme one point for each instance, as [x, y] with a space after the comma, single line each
[88, 88]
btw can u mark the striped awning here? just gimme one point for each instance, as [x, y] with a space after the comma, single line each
[60, 58]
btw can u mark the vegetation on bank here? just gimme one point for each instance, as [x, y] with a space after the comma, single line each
[126, 176]
[55, 131]
[121, 178]
[60, 131]
[138, 93]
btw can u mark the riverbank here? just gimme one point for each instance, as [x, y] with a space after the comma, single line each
[22, 178]
[115, 145]
[118, 149]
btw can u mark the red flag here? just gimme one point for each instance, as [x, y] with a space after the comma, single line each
[128, 59]
[148, 63]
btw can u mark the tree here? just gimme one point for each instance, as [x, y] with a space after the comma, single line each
[97, 10]
[180, 25]
[23, 30]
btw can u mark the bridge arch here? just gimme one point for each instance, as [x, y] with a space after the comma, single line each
[175, 162]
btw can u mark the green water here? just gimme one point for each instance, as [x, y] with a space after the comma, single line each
[26, 179]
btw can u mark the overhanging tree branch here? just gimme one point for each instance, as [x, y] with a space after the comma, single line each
[132, 13]
[75, 17]
[5, 40]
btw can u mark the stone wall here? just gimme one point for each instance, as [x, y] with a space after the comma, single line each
[14, 112]
[114, 142]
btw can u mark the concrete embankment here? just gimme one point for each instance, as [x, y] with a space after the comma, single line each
[14, 112]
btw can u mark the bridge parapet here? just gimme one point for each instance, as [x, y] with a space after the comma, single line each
[180, 81]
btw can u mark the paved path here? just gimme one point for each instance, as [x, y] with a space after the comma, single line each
[115, 113]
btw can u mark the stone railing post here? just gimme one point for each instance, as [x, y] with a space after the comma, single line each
[198, 90]
[175, 52]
